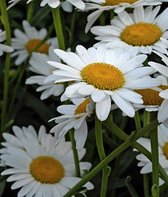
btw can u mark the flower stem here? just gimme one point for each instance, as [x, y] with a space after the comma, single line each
[101, 165]
[58, 27]
[5, 21]
[146, 185]
[123, 136]
[75, 153]
[30, 11]
[137, 121]
[99, 142]
[146, 121]
[146, 118]
[72, 28]
[155, 161]
[21, 71]
[99, 138]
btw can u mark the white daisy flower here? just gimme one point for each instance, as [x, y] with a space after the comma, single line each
[37, 166]
[74, 116]
[151, 99]
[163, 69]
[116, 5]
[104, 75]
[66, 6]
[26, 42]
[40, 66]
[55, 3]
[4, 47]
[144, 162]
[131, 31]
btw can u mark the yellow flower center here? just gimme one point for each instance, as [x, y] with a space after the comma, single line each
[46, 169]
[141, 34]
[103, 76]
[81, 108]
[151, 97]
[165, 150]
[117, 2]
[32, 44]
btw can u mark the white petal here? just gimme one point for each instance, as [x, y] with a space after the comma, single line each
[162, 114]
[124, 105]
[103, 108]
[97, 95]
[81, 135]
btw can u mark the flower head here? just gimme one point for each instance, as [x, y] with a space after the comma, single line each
[104, 75]
[131, 31]
[37, 165]
[55, 3]
[66, 5]
[117, 5]
[29, 41]
[4, 47]
[74, 116]
[151, 99]
[163, 69]
[144, 162]
[40, 66]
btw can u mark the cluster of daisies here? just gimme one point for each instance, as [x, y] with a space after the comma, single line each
[117, 73]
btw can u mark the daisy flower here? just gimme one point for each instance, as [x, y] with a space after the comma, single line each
[37, 165]
[26, 42]
[74, 116]
[66, 6]
[151, 99]
[39, 66]
[131, 31]
[55, 3]
[105, 75]
[4, 47]
[116, 5]
[163, 69]
[144, 162]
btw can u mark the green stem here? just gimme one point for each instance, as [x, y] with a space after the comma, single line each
[137, 121]
[138, 127]
[146, 121]
[30, 11]
[21, 72]
[162, 188]
[99, 138]
[58, 27]
[5, 20]
[146, 185]
[72, 28]
[146, 118]
[155, 161]
[102, 155]
[75, 153]
[101, 165]
[123, 136]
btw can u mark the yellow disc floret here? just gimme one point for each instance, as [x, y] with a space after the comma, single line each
[141, 34]
[165, 150]
[150, 96]
[34, 45]
[46, 169]
[117, 2]
[81, 108]
[103, 76]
